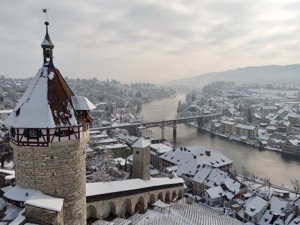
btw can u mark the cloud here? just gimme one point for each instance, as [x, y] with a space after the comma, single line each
[150, 40]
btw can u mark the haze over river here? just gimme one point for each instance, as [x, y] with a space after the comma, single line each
[280, 168]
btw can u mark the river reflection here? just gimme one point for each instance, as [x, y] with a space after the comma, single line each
[280, 168]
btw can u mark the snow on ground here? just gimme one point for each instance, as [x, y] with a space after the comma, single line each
[180, 213]
[11, 212]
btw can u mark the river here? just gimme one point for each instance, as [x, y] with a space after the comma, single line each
[279, 168]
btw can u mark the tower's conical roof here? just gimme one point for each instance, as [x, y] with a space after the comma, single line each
[47, 102]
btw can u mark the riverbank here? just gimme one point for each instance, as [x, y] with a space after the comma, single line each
[234, 138]
[280, 168]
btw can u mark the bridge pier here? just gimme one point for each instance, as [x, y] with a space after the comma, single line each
[174, 133]
[200, 121]
[162, 131]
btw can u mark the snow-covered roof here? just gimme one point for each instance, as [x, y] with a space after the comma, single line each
[295, 221]
[126, 185]
[215, 192]
[228, 122]
[202, 174]
[294, 115]
[246, 127]
[187, 169]
[196, 154]
[277, 206]
[82, 103]
[107, 141]
[216, 177]
[38, 199]
[160, 148]
[141, 143]
[255, 205]
[46, 103]
[112, 146]
[19, 219]
[8, 172]
[294, 142]
[269, 107]
[19, 194]
[6, 111]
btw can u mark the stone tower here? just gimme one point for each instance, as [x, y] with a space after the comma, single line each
[49, 133]
[141, 159]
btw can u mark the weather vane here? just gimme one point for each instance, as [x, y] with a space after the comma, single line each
[45, 11]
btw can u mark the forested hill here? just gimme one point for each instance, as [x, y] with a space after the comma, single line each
[254, 74]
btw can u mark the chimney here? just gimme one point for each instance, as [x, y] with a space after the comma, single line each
[207, 152]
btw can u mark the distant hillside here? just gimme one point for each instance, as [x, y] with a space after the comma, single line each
[253, 74]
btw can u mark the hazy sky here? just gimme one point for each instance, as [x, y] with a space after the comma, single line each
[148, 40]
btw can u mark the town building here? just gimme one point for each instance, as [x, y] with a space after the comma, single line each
[291, 146]
[249, 131]
[157, 150]
[195, 155]
[228, 127]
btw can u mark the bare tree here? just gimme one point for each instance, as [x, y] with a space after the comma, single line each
[245, 173]
[6, 152]
[105, 169]
[296, 185]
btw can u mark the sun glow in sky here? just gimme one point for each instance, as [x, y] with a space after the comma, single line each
[148, 40]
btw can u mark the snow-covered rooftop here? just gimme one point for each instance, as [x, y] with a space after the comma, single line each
[125, 185]
[47, 102]
[141, 143]
[246, 127]
[19, 194]
[160, 148]
[255, 205]
[196, 154]
[276, 208]
[215, 192]
[38, 199]
[82, 103]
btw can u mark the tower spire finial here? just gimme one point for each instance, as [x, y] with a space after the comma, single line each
[45, 11]
[47, 44]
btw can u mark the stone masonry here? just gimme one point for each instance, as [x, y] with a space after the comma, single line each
[141, 163]
[47, 216]
[57, 170]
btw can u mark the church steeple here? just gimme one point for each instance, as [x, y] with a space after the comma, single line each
[47, 46]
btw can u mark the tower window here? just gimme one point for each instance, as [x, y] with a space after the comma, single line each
[12, 132]
[137, 152]
[32, 133]
[64, 133]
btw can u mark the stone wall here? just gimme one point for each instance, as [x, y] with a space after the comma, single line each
[57, 170]
[44, 215]
[126, 205]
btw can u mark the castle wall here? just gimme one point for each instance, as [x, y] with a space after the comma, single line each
[126, 205]
[57, 170]
[44, 215]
